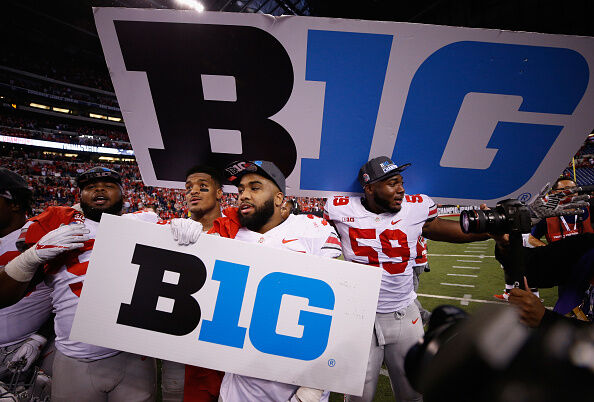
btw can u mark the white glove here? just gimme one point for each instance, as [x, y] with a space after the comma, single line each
[54, 243]
[305, 394]
[185, 231]
[27, 353]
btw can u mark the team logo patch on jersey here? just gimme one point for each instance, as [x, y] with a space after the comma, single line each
[387, 166]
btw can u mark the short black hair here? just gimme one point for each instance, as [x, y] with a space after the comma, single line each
[562, 178]
[209, 170]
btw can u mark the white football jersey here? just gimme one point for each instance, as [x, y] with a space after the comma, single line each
[387, 240]
[66, 281]
[22, 319]
[303, 234]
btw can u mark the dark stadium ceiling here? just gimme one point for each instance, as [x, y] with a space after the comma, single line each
[572, 17]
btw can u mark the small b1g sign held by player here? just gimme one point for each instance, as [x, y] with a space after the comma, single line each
[229, 305]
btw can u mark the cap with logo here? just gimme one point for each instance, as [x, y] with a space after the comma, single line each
[10, 180]
[98, 173]
[377, 169]
[235, 171]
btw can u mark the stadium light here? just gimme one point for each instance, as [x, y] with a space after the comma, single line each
[193, 4]
[59, 109]
[39, 106]
[114, 118]
[97, 116]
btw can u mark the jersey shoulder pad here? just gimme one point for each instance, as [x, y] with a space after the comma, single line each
[50, 219]
[339, 206]
[144, 216]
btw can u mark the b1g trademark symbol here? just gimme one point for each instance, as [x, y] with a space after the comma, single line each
[524, 197]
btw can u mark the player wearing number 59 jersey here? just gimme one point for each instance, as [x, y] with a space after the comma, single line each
[385, 240]
[382, 229]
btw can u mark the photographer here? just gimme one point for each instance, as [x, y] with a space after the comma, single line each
[567, 262]
[533, 313]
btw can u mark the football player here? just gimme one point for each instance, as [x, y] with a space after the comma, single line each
[61, 241]
[382, 229]
[25, 327]
[258, 219]
[189, 383]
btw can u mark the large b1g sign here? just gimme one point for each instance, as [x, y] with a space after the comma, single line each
[480, 114]
[228, 305]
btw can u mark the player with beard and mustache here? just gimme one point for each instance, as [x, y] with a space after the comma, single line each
[60, 242]
[259, 219]
[382, 229]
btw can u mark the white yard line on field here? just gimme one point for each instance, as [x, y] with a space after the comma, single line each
[456, 284]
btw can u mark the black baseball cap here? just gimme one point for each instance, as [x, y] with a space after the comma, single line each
[98, 173]
[235, 171]
[10, 180]
[378, 169]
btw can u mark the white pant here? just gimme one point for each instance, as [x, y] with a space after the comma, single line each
[394, 334]
[173, 376]
[124, 377]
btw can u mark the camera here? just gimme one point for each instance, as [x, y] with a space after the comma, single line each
[491, 357]
[508, 216]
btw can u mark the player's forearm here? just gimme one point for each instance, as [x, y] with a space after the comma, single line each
[450, 231]
[11, 291]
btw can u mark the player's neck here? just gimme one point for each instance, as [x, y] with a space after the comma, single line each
[207, 218]
[16, 222]
[372, 206]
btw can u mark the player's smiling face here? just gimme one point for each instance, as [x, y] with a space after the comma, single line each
[202, 193]
[385, 195]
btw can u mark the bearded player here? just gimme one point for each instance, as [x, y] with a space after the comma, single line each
[381, 229]
[61, 240]
[259, 219]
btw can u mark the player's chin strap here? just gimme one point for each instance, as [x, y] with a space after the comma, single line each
[305, 394]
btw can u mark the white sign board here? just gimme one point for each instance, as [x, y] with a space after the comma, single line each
[481, 114]
[229, 305]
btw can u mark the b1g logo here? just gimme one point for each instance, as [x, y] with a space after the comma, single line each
[463, 106]
[155, 280]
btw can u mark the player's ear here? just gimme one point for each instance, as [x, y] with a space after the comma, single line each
[368, 189]
[219, 193]
[279, 199]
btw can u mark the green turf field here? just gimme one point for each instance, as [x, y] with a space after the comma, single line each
[473, 275]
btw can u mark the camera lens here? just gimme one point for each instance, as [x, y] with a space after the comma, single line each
[469, 221]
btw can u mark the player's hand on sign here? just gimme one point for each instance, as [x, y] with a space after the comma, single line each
[560, 203]
[54, 243]
[27, 353]
[185, 231]
[529, 306]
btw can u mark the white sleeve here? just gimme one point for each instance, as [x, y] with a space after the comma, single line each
[145, 216]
